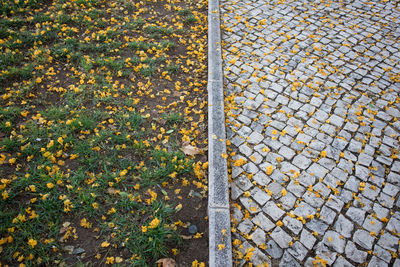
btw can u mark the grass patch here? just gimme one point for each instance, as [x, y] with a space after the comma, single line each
[92, 119]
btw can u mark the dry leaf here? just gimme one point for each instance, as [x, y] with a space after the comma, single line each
[65, 227]
[190, 150]
[112, 191]
[167, 262]
[186, 237]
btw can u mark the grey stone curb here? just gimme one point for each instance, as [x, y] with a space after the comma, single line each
[220, 246]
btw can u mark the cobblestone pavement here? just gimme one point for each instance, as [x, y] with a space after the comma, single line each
[312, 105]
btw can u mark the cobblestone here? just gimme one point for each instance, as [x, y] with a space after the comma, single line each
[281, 237]
[382, 253]
[288, 261]
[376, 262]
[354, 254]
[293, 225]
[273, 249]
[363, 238]
[312, 106]
[355, 214]
[389, 242]
[262, 221]
[258, 236]
[273, 211]
[245, 226]
[333, 240]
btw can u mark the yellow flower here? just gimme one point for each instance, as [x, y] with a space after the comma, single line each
[144, 229]
[60, 140]
[2, 158]
[85, 223]
[32, 242]
[172, 175]
[105, 244]
[283, 192]
[50, 185]
[240, 162]
[110, 260]
[38, 80]
[112, 210]
[270, 169]
[154, 223]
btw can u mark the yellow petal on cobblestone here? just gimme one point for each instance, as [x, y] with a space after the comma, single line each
[269, 170]
[283, 192]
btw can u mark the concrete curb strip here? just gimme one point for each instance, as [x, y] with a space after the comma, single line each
[220, 245]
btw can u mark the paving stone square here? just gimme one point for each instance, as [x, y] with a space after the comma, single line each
[312, 101]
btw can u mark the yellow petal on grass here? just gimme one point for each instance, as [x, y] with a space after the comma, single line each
[73, 156]
[123, 173]
[105, 244]
[24, 113]
[178, 207]
[32, 242]
[60, 140]
[110, 260]
[85, 223]
[154, 223]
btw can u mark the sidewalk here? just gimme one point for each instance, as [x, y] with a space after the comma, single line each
[312, 103]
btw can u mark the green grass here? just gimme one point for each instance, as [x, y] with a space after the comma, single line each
[81, 148]
[173, 118]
